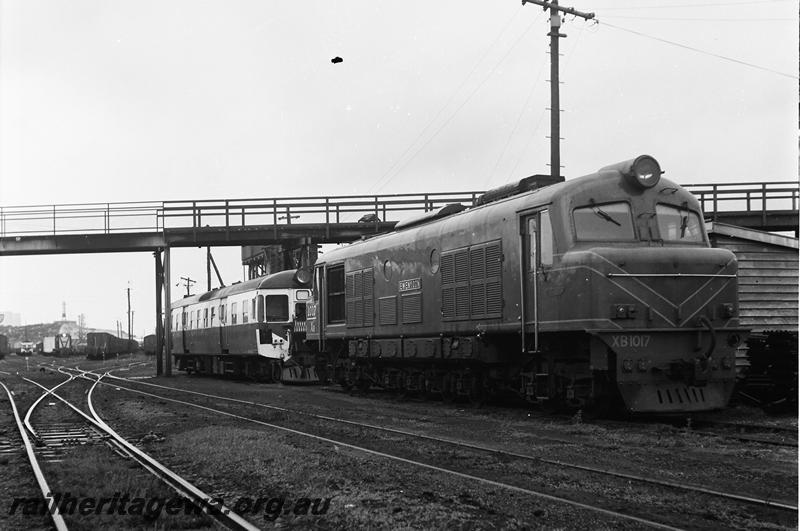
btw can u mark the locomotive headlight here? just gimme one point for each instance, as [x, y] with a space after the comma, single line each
[641, 365]
[643, 171]
[627, 365]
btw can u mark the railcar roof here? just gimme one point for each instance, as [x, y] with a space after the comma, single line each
[279, 280]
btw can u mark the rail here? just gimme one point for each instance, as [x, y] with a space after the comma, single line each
[152, 216]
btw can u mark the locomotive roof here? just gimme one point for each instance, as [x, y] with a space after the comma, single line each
[280, 280]
[604, 185]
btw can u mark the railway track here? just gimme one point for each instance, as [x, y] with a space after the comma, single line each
[92, 429]
[57, 519]
[775, 505]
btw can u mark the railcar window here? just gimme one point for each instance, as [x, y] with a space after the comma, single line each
[678, 224]
[213, 314]
[300, 313]
[336, 294]
[260, 307]
[205, 317]
[277, 307]
[244, 312]
[197, 322]
[611, 221]
[234, 315]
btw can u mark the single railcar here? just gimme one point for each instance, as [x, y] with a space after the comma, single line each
[250, 329]
[102, 345]
[3, 346]
[595, 291]
[149, 345]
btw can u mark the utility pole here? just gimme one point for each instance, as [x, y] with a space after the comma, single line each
[555, 104]
[129, 311]
[188, 283]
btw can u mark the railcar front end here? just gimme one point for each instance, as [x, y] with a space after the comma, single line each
[252, 329]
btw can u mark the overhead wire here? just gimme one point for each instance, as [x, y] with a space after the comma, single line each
[708, 19]
[534, 86]
[449, 99]
[395, 170]
[672, 6]
[525, 150]
[698, 50]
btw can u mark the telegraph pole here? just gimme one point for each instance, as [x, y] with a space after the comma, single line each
[188, 283]
[129, 311]
[555, 108]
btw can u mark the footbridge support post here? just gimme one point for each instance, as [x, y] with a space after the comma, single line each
[159, 314]
[167, 315]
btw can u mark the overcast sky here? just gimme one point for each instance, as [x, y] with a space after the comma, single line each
[106, 101]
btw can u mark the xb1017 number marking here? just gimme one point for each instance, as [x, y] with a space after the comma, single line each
[637, 341]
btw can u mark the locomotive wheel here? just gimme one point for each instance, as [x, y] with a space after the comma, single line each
[363, 385]
[477, 392]
[448, 389]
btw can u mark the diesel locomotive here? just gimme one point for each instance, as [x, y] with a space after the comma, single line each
[598, 290]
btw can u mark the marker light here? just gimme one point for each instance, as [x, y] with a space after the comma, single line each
[643, 171]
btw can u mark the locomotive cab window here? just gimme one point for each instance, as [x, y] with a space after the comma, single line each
[607, 222]
[678, 224]
[277, 308]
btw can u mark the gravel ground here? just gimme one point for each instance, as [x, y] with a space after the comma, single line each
[656, 451]
[281, 479]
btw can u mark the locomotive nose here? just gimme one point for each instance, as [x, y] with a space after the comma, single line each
[666, 286]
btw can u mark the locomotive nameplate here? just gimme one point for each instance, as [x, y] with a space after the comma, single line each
[630, 341]
[409, 285]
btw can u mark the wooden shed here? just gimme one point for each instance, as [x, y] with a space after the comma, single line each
[768, 275]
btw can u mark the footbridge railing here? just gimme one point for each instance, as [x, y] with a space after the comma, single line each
[151, 216]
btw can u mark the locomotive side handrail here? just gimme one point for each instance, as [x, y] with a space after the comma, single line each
[156, 217]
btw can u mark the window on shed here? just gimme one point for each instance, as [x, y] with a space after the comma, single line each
[234, 315]
[277, 308]
[336, 294]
